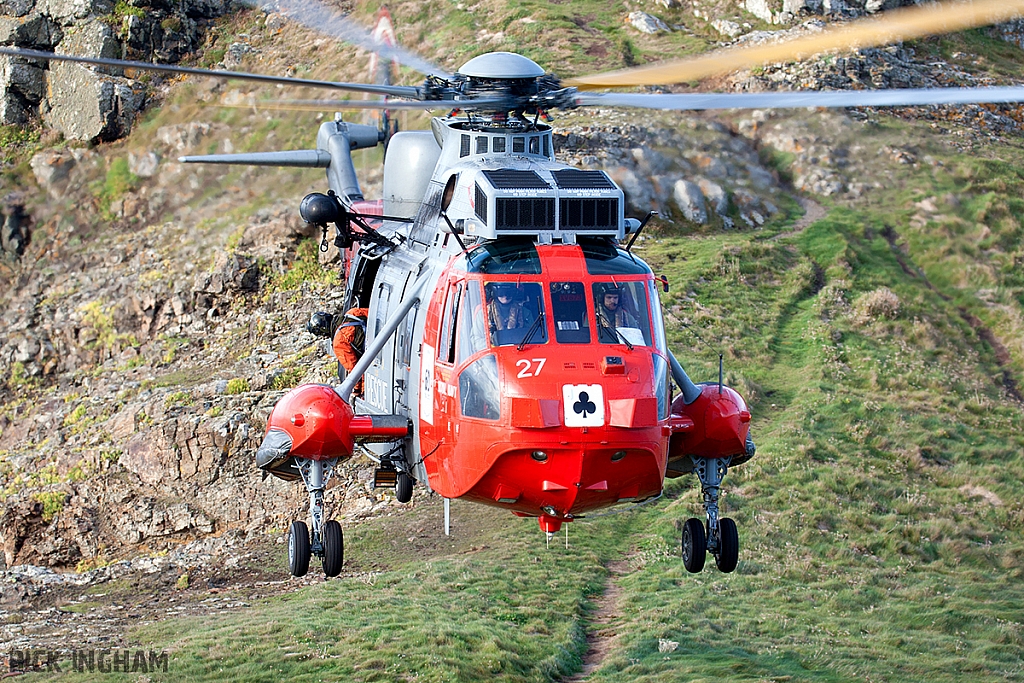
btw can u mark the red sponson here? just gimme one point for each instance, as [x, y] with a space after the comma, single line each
[720, 424]
[318, 421]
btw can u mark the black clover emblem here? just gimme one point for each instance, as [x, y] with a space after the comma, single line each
[584, 405]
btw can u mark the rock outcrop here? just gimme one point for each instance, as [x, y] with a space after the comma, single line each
[693, 174]
[90, 103]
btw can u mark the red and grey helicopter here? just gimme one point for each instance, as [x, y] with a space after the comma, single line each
[515, 352]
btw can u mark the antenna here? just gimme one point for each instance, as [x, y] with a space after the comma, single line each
[640, 229]
[719, 374]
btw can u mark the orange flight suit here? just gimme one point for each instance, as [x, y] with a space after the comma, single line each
[351, 328]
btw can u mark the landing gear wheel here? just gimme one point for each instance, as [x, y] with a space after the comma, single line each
[728, 545]
[298, 549]
[403, 488]
[334, 548]
[695, 545]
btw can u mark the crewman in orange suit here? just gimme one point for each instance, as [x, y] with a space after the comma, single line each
[348, 333]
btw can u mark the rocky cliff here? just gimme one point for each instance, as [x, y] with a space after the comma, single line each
[154, 311]
[82, 103]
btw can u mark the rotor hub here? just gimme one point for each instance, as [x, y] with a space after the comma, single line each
[501, 65]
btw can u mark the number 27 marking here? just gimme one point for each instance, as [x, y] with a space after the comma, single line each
[526, 367]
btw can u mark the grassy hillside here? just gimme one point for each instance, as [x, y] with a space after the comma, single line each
[881, 522]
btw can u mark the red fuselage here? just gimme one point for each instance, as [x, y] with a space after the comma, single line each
[572, 420]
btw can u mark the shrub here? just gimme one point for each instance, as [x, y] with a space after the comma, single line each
[239, 385]
[880, 303]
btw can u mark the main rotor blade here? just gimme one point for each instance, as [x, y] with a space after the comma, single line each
[316, 16]
[337, 105]
[469, 104]
[897, 25]
[387, 90]
[817, 98]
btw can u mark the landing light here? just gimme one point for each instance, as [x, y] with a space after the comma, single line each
[618, 455]
[539, 456]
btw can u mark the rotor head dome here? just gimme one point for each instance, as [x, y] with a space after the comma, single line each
[501, 65]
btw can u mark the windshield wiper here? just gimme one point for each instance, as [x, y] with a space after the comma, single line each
[619, 335]
[529, 333]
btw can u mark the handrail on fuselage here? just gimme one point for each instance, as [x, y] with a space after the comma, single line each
[377, 345]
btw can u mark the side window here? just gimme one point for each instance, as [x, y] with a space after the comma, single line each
[621, 312]
[446, 344]
[405, 341]
[569, 309]
[383, 302]
[515, 310]
[479, 395]
[472, 332]
[656, 317]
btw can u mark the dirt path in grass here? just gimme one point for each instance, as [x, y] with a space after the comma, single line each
[602, 635]
[813, 212]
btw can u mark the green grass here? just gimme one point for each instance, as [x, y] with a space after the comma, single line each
[306, 268]
[118, 182]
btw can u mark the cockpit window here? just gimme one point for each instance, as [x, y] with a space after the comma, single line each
[604, 258]
[514, 312]
[472, 335]
[569, 310]
[504, 257]
[479, 395]
[656, 317]
[621, 313]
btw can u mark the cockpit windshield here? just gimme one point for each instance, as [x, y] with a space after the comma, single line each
[612, 302]
[515, 310]
[569, 310]
[621, 312]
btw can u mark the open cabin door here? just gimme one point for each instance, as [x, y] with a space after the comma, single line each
[386, 383]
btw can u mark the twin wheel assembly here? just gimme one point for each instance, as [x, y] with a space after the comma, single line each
[719, 537]
[330, 546]
[326, 540]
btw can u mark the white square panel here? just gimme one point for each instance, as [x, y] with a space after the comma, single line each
[584, 405]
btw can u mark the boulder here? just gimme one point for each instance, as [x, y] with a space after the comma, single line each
[726, 27]
[760, 9]
[22, 87]
[16, 8]
[27, 80]
[647, 23]
[14, 236]
[52, 170]
[34, 31]
[143, 165]
[717, 198]
[638, 191]
[88, 106]
[690, 201]
[83, 103]
[68, 11]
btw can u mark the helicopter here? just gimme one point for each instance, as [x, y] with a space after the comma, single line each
[515, 352]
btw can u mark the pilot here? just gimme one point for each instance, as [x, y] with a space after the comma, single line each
[504, 309]
[610, 312]
[348, 333]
